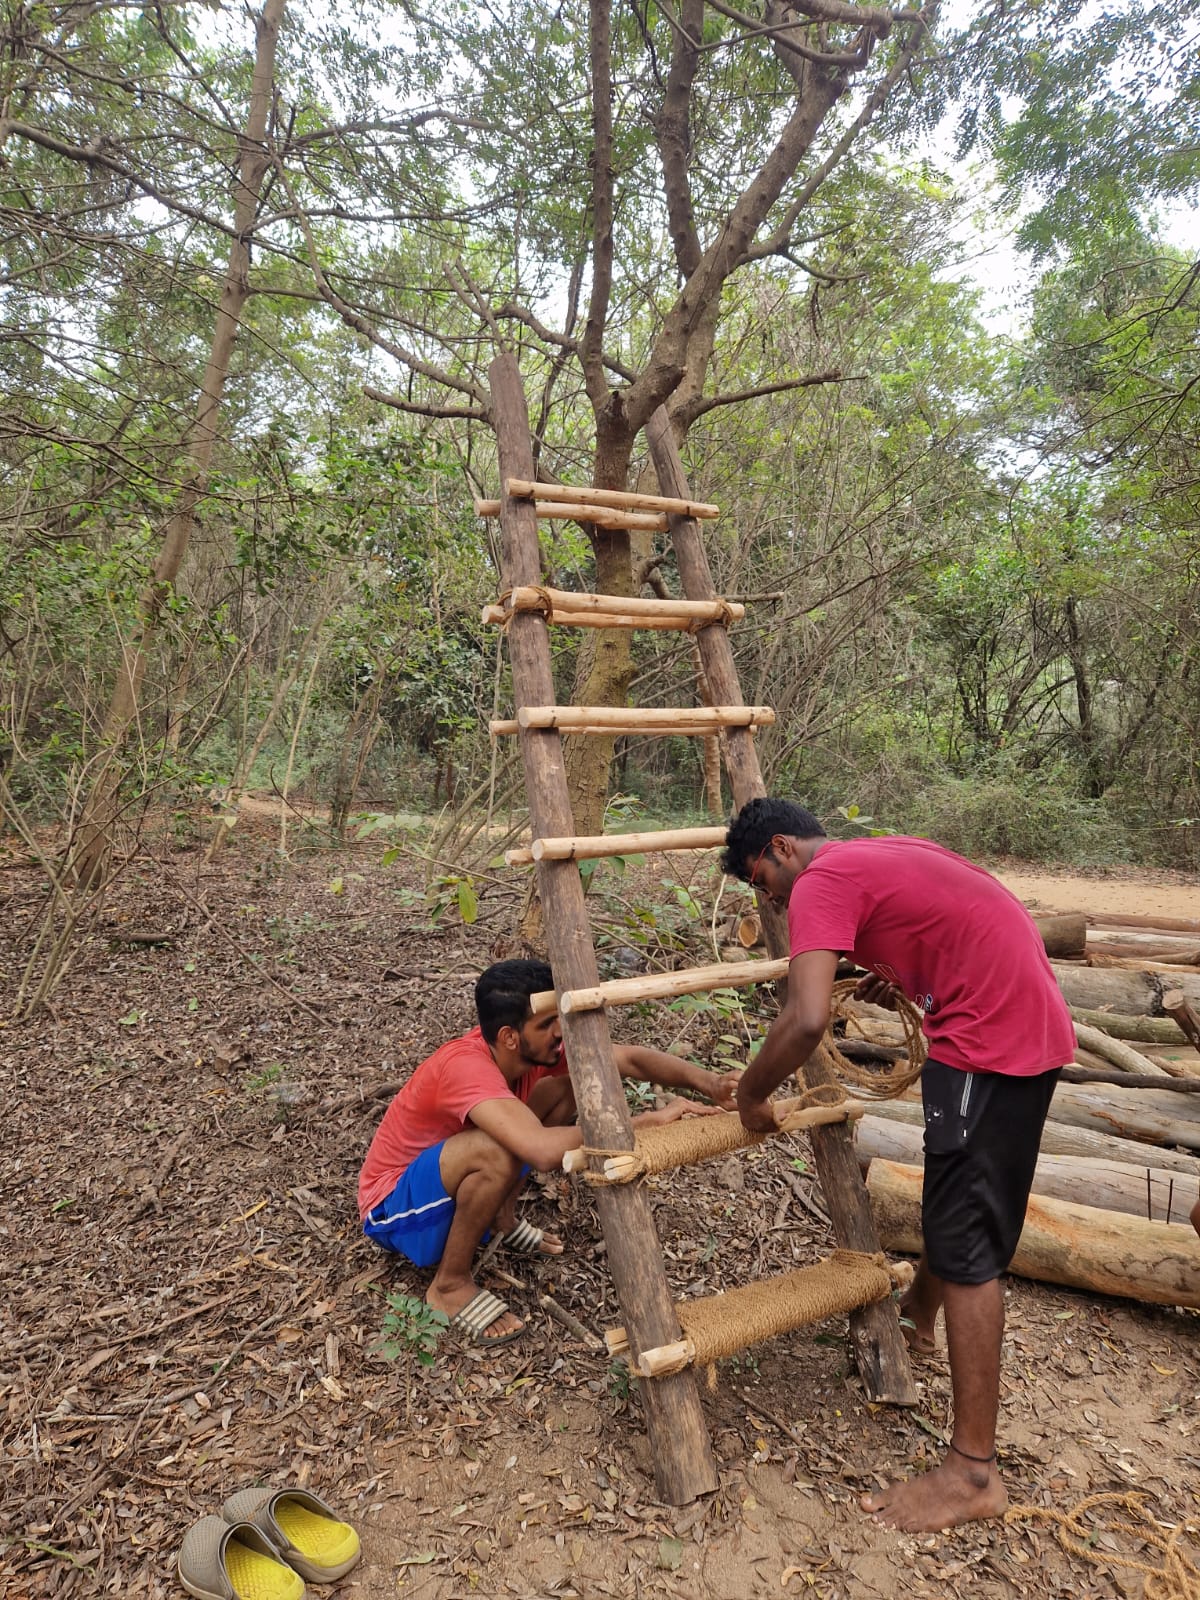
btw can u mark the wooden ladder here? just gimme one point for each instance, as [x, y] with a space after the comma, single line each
[684, 1465]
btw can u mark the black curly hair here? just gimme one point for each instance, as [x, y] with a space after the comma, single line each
[502, 994]
[756, 824]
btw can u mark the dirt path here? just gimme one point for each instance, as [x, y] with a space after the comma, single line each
[1132, 894]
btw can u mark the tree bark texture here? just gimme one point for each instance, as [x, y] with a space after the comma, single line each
[683, 1461]
[1140, 1030]
[1063, 936]
[1081, 1247]
[1139, 1191]
[1064, 1135]
[89, 859]
[1134, 994]
[874, 1330]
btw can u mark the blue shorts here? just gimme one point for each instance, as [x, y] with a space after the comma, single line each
[414, 1220]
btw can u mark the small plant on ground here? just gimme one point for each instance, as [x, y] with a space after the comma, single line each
[410, 1334]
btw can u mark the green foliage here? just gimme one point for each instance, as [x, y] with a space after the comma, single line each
[1095, 109]
[411, 1330]
[453, 889]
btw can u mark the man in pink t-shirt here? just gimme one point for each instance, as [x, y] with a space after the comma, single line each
[930, 925]
[452, 1150]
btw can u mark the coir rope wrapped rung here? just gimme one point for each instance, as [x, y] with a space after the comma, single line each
[682, 1144]
[721, 1325]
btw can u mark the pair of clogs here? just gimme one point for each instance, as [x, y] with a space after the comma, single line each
[264, 1546]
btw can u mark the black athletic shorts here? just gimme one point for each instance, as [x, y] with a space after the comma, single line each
[982, 1132]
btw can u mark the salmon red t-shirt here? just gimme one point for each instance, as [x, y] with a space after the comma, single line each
[950, 937]
[435, 1104]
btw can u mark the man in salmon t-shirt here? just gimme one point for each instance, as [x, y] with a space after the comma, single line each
[451, 1152]
[948, 935]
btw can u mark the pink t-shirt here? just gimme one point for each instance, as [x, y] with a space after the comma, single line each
[951, 937]
[435, 1104]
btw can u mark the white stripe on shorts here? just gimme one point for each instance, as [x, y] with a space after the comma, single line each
[414, 1211]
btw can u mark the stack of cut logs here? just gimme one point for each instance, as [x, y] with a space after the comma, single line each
[1120, 1166]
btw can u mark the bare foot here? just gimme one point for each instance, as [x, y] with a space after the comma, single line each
[957, 1491]
[918, 1327]
[920, 1344]
[452, 1301]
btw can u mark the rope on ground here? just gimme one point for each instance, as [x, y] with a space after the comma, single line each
[1178, 1576]
[878, 1083]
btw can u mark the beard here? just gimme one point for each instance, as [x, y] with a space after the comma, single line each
[547, 1057]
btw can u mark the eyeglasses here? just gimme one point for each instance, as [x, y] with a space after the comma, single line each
[754, 868]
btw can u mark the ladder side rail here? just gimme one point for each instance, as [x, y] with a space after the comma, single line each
[683, 1459]
[875, 1330]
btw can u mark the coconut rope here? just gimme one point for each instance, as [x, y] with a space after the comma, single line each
[877, 1083]
[694, 1139]
[1176, 1578]
[721, 1325]
[681, 1144]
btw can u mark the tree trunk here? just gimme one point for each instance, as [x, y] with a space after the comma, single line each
[1084, 1180]
[1079, 1246]
[89, 860]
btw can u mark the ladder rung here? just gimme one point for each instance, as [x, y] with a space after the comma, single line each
[693, 1139]
[601, 516]
[594, 846]
[597, 619]
[627, 499]
[659, 986]
[568, 604]
[721, 1324]
[635, 719]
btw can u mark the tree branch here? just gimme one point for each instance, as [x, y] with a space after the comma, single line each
[600, 43]
[699, 407]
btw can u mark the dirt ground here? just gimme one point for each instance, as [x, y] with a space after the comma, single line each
[189, 1307]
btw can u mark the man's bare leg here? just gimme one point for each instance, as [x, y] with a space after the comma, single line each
[479, 1173]
[919, 1306]
[966, 1486]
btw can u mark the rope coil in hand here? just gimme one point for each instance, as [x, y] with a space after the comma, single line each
[878, 1083]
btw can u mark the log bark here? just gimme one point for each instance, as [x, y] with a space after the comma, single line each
[1134, 994]
[1143, 1030]
[1152, 1116]
[1117, 1051]
[875, 1335]
[1081, 1247]
[1151, 955]
[1109, 919]
[1128, 963]
[1181, 1011]
[1064, 936]
[1145, 1191]
[1153, 946]
[683, 1460]
[1061, 1138]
